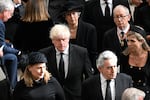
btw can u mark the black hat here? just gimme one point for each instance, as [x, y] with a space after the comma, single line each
[73, 5]
[36, 57]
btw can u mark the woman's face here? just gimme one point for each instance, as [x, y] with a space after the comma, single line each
[38, 70]
[133, 43]
[72, 17]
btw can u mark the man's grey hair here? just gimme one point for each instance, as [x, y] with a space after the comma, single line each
[59, 30]
[106, 55]
[121, 7]
[132, 94]
[6, 5]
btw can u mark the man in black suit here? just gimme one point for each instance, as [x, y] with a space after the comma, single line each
[94, 13]
[115, 38]
[94, 88]
[77, 65]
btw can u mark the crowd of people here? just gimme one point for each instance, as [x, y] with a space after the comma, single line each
[76, 49]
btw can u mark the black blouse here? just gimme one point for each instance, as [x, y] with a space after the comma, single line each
[140, 75]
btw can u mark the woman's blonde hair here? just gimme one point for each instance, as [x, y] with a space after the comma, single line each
[139, 37]
[28, 78]
[35, 11]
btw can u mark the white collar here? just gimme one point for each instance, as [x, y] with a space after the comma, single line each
[125, 30]
[66, 51]
[102, 2]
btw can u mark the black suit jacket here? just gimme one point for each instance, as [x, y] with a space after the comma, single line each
[144, 18]
[78, 68]
[91, 88]
[93, 14]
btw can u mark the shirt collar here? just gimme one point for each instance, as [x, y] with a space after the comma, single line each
[66, 51]
[125, 30]
[103, 79]
[102, 2]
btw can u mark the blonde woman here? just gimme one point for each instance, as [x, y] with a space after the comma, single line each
[136, 61]
[37, 83]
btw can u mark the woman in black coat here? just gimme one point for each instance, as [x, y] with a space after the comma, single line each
[82, 33]
[37, 83]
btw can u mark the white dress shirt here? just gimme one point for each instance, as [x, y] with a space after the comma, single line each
[104, 85]
[103, 5]
[125, 30]
[65, 58]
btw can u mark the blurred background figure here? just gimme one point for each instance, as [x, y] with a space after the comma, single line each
[133, 94]
[134, 7]
[10, 53]
[37, 83]
[33, 31]
[13, 22]
[144, 18]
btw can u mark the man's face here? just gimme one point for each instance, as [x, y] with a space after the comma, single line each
[7, 14]
[121, 18]
[61, 43]
[108, 70]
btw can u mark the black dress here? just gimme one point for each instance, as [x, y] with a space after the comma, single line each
[40, 91]
[140, 75]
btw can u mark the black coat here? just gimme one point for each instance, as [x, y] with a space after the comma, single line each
[87, 37]
[40, 91]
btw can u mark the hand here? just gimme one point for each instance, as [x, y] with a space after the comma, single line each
[1, 53]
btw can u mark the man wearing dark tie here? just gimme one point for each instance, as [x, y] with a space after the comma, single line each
[99, 13]
[68, 63]
[115, 38]
[108, 85]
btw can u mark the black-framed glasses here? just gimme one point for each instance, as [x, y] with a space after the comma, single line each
[122, 17]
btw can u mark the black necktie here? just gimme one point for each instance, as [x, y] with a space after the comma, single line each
[107, 9]
[61, 67]
[122, 34]
[108, 91]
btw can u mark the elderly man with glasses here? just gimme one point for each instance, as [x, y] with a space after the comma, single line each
[115, 38]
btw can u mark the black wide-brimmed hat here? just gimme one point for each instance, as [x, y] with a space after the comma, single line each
[72, 5]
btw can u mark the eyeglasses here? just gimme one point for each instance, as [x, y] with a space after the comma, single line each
[122, 17]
